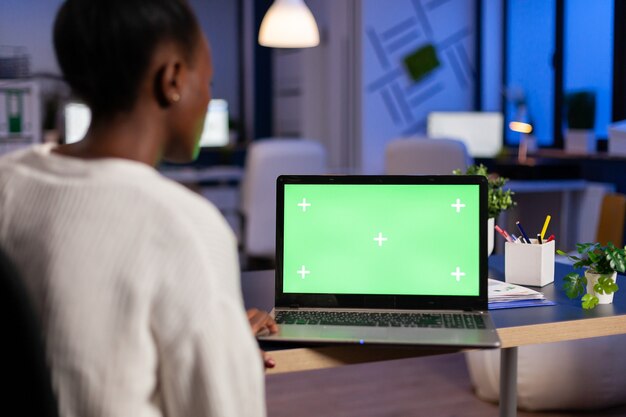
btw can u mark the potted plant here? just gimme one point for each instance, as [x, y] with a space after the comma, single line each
[599, 280]
[498, 199]
[580, 110]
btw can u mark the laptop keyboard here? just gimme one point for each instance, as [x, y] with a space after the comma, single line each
[331, 318]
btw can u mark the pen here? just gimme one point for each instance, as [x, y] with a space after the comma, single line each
[514, 238]
[503, 233]
[545, 226]
[550, 239]
[539, 239]
[521, 230]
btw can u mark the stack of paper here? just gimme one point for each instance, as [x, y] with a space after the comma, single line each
[505, 295]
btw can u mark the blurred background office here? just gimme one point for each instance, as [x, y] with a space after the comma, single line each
[534, 89]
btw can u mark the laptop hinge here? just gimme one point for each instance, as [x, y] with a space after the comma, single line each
[294, 306]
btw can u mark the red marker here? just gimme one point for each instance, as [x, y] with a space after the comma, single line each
[550, 238]
[504, 234]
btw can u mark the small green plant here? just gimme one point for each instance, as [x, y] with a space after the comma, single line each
[499, 199]
[601, 260]
[580, 109]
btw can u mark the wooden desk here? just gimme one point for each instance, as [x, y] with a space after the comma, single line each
[516, 327]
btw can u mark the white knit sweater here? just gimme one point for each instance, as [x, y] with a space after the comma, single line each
[136, 282]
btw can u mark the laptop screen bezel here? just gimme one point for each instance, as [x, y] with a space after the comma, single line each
[401, 302]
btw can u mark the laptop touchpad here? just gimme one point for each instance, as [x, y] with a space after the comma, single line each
[355, 333]
[295, 331]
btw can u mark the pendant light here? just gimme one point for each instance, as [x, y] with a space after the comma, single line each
[289, 24]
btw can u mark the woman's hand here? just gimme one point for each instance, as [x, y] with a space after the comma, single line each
[261, 322]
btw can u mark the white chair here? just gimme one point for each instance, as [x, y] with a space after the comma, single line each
[423, 156]
[266, 160]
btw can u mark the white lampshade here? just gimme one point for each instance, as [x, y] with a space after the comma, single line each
[289, 24]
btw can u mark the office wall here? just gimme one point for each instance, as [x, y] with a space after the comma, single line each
[316, 90]
[393, 103]
[220, 23]
[28, 23]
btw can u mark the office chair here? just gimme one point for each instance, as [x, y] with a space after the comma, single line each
[27, 384]
[611, 222]
[265, 161]
[424, 156]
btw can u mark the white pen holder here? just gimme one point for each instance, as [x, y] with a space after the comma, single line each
[529, 264]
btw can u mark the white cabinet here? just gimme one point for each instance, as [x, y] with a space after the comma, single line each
[20, 114]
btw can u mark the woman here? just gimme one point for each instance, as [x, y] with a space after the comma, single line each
[135, 279]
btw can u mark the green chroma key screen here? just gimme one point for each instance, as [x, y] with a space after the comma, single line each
[381, 239]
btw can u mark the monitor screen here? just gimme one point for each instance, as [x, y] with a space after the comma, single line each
[382, 239]
[216, 132]
[77, 117]
[480, 131]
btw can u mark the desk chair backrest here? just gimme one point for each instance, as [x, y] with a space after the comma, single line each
[423, 156]
[27, 387]
[611, 223]
[267, 159]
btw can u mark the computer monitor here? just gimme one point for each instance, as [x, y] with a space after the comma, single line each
[216, 132]
[77, 118]
[480, 131]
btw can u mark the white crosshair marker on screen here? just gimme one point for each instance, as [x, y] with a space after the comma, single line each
[458, 205]
[458, 274]
[380, 239]
[303, 272]
[304, 204]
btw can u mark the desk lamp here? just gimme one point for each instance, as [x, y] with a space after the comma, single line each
[526, 141]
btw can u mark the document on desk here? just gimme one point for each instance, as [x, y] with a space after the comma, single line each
[505, 295]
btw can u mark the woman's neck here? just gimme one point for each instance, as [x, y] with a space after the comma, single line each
[133, 136]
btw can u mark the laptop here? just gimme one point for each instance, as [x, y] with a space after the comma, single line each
[398, 260]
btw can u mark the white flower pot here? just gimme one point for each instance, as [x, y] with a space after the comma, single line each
[580, 141]
[491, 223]
[591, 281]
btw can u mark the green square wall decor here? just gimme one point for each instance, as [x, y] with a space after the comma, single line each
[421, 62]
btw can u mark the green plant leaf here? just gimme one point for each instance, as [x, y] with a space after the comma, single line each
[581, 263]
[574, 285]
[616, 259]
[570, 257]
[605, 285]
[581, 247]
[595, 257]
[498, 200]
[589, 301]
[598, 288]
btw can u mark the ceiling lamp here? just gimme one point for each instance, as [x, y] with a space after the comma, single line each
[289, 24]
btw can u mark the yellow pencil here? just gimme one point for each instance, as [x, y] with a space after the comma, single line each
[545, 226]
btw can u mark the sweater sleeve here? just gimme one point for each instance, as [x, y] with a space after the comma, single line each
[207, 373]
[209, 363]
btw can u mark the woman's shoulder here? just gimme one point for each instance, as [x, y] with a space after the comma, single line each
[173, 196]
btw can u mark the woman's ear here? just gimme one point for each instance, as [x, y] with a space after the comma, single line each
[168, 83]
